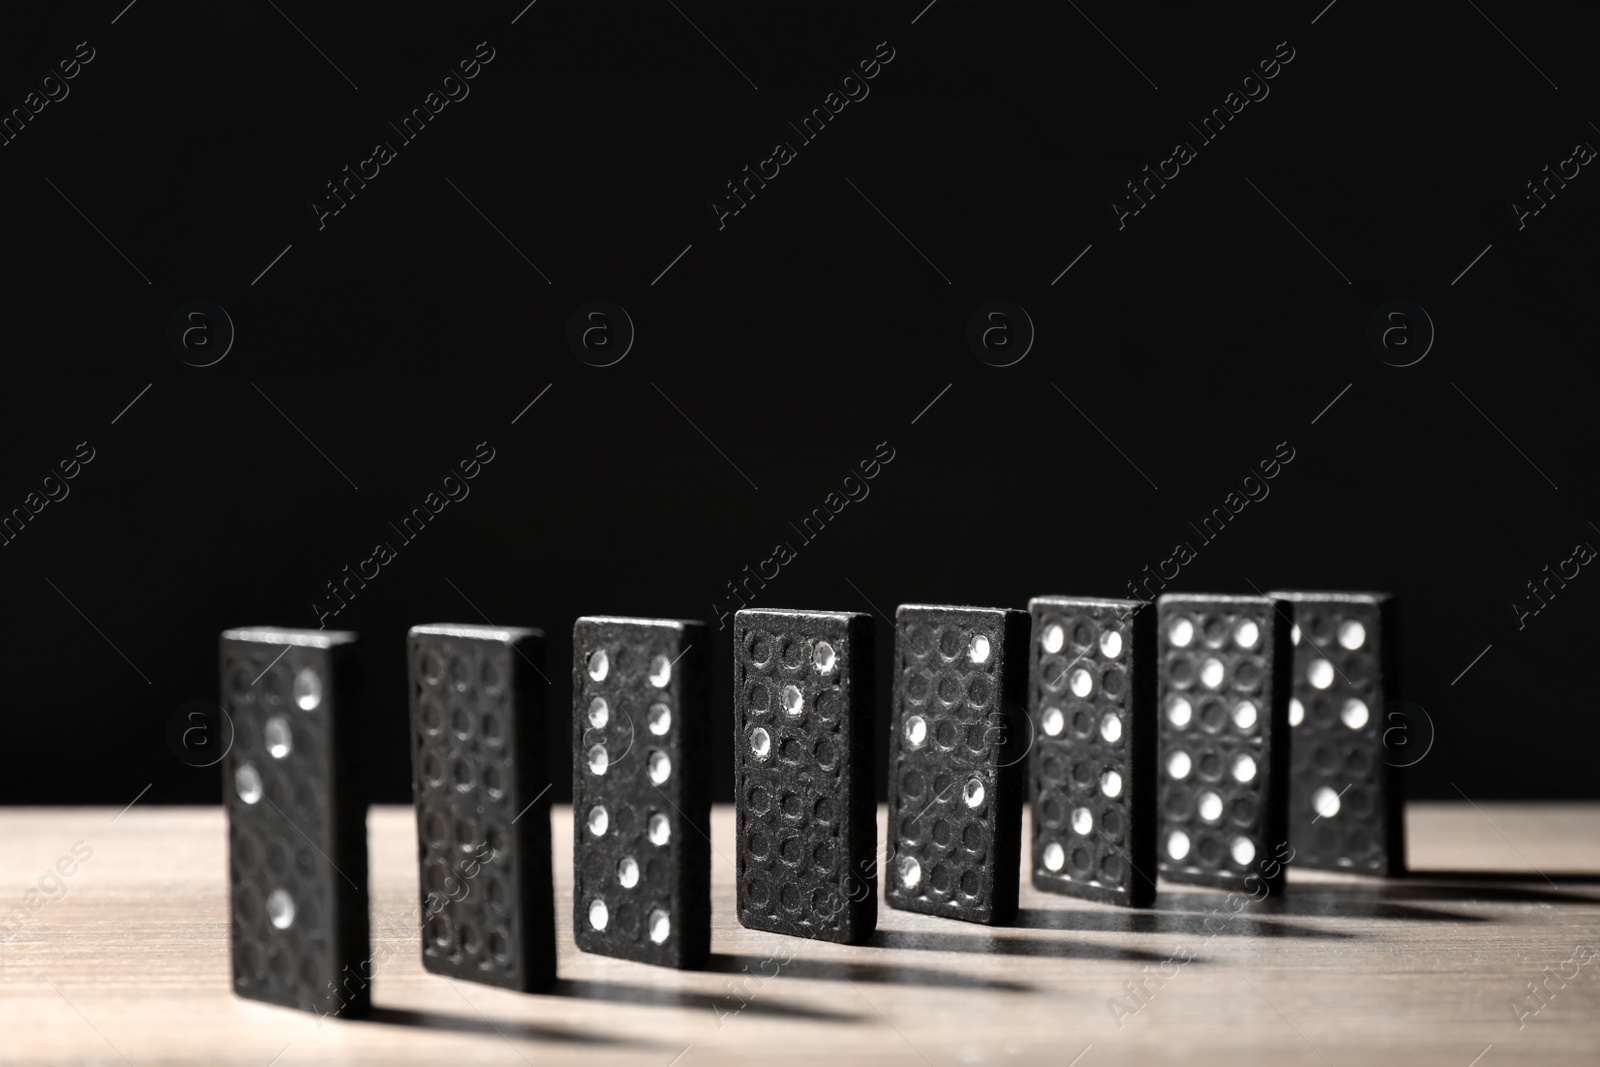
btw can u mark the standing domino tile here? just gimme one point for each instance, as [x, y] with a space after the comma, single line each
[957, 740]
[1345, 799]
[1223, 758]
[1092, 701]
[297, 840]
[641, 792]
[803, 790]
[483, 815]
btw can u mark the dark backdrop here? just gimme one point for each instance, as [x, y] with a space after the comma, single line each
[810, 332]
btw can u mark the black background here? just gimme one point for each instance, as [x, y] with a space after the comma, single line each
[797, 339]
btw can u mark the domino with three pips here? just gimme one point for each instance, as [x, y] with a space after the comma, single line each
[804, 802]
[957, 771]
[297, 834]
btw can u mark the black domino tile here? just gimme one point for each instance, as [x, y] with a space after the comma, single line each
[297, 842]
[805, 804]
[1092, 766]
[481, 788]
[1223, 755]
[1346, 798]
[957, 762]
[641, 777]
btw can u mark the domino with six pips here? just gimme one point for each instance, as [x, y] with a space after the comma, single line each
[641, 793]
[297, 841]
[957, 742]
[1092, 782]
[482, 801]
[1223, 752]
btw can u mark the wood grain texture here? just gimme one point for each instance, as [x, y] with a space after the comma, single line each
[130, 961]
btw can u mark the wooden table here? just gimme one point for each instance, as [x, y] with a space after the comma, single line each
[130, 962]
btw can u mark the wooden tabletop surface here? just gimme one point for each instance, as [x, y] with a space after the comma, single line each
[127, 961]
